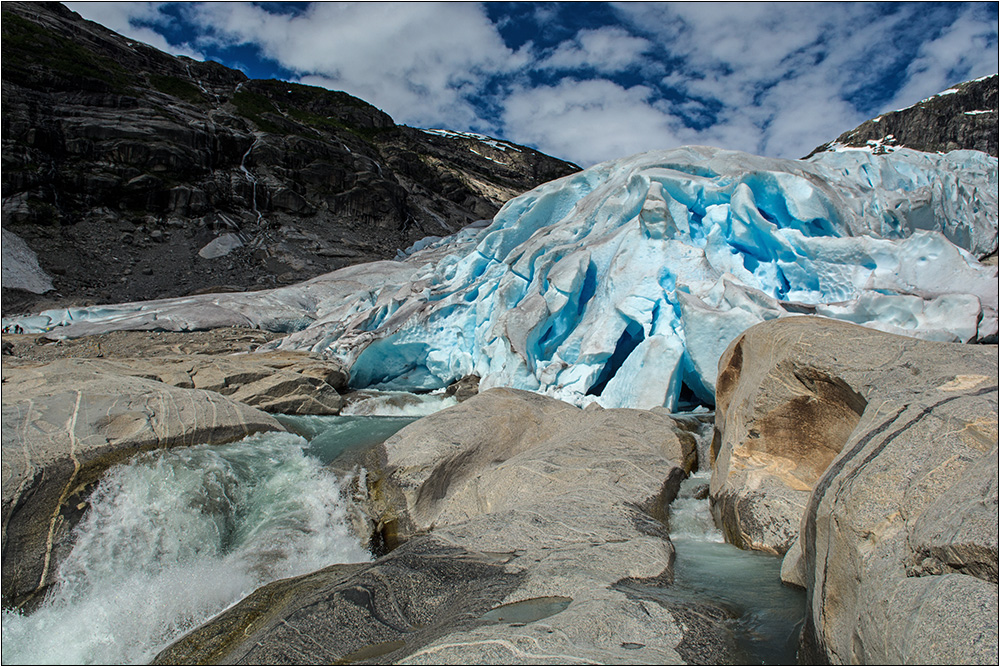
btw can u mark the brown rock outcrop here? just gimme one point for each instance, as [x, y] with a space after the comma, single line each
[963, 117]
[881, 451]
[122, 164]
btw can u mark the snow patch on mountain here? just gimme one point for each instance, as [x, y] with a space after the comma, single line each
[20, 266]
[481, 138]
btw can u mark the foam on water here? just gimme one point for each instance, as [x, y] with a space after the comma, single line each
[175, 537]
[691, 518]
[399, 404]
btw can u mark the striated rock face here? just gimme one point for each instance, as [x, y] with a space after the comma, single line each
[375, 613]
[283, 382]
[66, 422]
[133, 174]
[550, 504]
[962, 117]
[135, 344]
[886, 487]
[274, 382]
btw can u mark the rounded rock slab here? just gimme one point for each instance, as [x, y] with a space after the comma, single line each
[904, 514]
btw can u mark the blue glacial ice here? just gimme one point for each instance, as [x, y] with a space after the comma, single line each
[624, 283]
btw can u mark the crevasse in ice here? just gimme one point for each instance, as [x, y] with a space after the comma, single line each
[623, 282]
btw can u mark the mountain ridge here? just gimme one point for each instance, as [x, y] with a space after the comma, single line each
[133, 174]
[961, 117]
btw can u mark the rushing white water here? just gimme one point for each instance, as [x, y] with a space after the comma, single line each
[399, 404]
[173, 538]
[691, 518]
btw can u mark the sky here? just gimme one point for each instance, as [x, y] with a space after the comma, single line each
[589, 82]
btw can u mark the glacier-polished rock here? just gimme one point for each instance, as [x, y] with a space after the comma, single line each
[624, 283]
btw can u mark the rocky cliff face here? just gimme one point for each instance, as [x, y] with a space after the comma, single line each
[964, 116]
[132, 174]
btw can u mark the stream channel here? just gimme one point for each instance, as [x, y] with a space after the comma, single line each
[174, 537]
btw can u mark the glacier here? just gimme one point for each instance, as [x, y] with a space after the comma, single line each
[624, 283]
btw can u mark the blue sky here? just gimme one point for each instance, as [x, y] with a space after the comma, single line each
[595, 81]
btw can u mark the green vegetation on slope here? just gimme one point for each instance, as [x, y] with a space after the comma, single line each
[44, 60]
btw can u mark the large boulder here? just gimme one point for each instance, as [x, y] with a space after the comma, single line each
[780, 421]
[66, 422]
[546, 507]
[874, 458]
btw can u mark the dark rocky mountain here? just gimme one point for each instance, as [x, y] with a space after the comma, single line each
[964, 116]
[133, 174]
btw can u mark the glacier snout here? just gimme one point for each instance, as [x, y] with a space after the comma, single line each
[624, 283]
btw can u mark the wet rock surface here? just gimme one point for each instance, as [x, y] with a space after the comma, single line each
[132, 174]
[375, 613]
[556, 505]
[895, 539]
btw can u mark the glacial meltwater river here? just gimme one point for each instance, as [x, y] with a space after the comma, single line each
[174, 537]
[767, 615]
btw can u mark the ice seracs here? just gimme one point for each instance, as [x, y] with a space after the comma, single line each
[624, 283]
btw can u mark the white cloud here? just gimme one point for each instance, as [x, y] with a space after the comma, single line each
[609, 49]
[588, 121]
[784, 73]
[964, 51]
[416, 61]
[771, 78]
[122, 18]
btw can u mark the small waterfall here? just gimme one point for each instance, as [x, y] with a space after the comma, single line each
[251, 178]
[397, 404]
[175, 537]
[690, 513]
[198, 81]
[766, 615]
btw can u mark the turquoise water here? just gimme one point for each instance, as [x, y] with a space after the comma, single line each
[175, 537]
[332, 437]
[766, 615]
